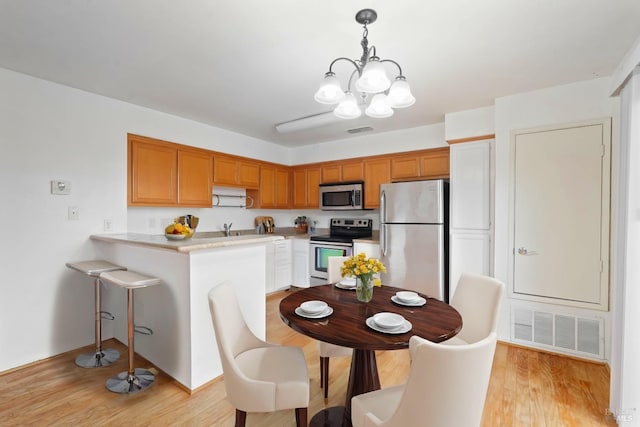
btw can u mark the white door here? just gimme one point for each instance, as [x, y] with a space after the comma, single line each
[561, 214]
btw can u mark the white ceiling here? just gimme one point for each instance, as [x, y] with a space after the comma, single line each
[247, 65]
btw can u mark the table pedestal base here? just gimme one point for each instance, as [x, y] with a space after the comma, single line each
[363, 378]
[328, 417]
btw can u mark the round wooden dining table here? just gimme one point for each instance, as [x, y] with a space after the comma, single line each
[435, 321]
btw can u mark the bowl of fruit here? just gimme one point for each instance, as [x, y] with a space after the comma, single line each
[181, 228]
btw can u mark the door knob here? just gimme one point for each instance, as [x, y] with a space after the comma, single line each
[525, 251]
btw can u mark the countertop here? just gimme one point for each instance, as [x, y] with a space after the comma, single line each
[188, 245]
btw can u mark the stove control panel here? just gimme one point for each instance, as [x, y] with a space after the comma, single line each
[351, 223]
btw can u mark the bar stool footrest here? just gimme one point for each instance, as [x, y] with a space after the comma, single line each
[98, 359]
[124, 382]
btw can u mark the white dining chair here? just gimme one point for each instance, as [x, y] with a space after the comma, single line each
[477, 298]
[258, 376]
[325, 349]
[446, 387]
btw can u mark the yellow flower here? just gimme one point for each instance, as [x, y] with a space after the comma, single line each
[361, 266]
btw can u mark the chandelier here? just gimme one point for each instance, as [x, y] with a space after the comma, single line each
[372, 82]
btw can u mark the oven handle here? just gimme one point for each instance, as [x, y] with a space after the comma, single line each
[353, 197]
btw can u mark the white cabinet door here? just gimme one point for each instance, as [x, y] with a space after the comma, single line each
[301, 273]
[469, 254]
[372, 250]
[470, 165]
[282, 270]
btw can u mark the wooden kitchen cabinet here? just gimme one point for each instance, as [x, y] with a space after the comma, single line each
[306, 182]
[274, 187]
[405, 167]
[195, 178]
[343, 171]
[235, 172]
[432, 163]
[435, 163]
[376, 171]
[161, 173]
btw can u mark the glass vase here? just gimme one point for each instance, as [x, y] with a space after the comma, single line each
[364, 288]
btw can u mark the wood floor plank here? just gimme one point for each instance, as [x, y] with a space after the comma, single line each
[527, 388]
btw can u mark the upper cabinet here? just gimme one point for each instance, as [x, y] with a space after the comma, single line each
[432, 163]
[194, 178]
[275, 186]
[376, 171]
[342, 171]
[161, 173]
[306, 182]
[235, 172]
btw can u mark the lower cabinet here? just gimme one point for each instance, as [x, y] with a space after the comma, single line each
[278, 265]
[301, 275]
[370, 249]
[469, 253]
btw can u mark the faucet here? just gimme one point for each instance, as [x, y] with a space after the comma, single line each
[227, 229]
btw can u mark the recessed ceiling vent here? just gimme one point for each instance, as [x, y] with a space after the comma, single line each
[360, 130]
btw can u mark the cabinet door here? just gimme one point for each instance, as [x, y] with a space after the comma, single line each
[470, 185]
[435, 164]
[248, 174]
[469, 253]
[195, 178]
[299, 188]
[301, 275]
[405, 167]
[372, 250]
[313, 190]
[152, 173]
[282, 264]
[352, 171]
[283, 178]
[225, 170]
[267, 186]
[376, 172]
[331, 173]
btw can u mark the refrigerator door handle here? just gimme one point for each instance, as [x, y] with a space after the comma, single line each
[383, 214]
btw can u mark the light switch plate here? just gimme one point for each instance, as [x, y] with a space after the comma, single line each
[60, 187]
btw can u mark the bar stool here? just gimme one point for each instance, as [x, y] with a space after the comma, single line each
[101, 357]
[135, 379]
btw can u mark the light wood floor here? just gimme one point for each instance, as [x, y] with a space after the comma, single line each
[527, 388]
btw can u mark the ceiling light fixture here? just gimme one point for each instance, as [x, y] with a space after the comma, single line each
[372, 80]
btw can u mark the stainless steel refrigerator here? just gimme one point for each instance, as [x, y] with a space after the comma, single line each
[414, 236]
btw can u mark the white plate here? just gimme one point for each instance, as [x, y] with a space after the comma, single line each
[347, 287]
[418, 303]
[174, 236]
[300, 312]
[313, 307]
[388, 320]
[349, 282]
[407, 296]
[404, 328]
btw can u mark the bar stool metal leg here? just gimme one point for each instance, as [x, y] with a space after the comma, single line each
[135, 379]
[101, 357]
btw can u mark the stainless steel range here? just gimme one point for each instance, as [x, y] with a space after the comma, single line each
[339, 242]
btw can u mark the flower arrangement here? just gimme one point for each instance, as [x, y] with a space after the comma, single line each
[363, 269]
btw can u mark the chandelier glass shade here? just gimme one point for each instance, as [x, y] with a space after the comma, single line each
[372, 82]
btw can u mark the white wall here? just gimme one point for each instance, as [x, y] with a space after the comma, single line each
[49, 131]
[418, 138]
[563, 104]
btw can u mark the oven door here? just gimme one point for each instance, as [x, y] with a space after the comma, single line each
[318, 258]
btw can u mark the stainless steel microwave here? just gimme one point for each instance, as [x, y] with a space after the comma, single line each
[342, 196]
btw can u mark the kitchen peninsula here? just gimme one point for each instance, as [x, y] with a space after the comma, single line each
[177, 311]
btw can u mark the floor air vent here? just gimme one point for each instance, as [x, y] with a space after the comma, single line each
[559, 332]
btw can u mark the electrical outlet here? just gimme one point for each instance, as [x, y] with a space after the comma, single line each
[152, 223]
[107, 225]
[73, 212]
